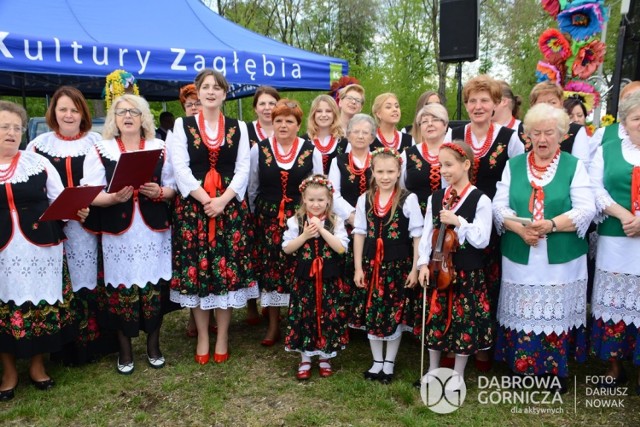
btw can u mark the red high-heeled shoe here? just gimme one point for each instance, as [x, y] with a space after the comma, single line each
[202, 359]
[270, 342]
[220, 358]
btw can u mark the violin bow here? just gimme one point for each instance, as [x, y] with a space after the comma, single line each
[424, 313]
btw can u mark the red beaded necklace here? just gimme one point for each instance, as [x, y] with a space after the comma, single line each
[288, 157]
[123, 149]
[261, 135]
[380, 210]
[325, 149]
[6, 175]
[69, 138]
[539, 171]
[427, 156]
[392, 144]
[352, 167]
[479, 152]
[511, 122]
[212, 144]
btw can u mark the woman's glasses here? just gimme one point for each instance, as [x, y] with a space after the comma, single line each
[133, 112]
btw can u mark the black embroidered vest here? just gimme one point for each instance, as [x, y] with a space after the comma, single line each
[270, 176]
[492, 164]
[417, 174]
[350, 183]
[332, 262]
[30, 201]
[199, 154]
[466, 257]
[395, 234]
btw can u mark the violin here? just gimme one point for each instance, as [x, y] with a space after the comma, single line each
[444, 243]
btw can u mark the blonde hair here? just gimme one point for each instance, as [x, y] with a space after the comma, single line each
[378, 102]
[373, 186]
[352, 87]
[543, 112]
[301, 213]
[147, 126]
[436, 110]
[543, 88]
[336, 126]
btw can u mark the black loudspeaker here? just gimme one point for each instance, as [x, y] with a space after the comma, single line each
[459, 30]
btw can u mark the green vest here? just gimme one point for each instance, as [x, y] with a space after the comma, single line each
[561, 247]
[617, 180]
[610, 134]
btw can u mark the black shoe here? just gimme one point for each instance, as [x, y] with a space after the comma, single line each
[7, 395]
[418, 384]
[43, 385]
[612, 382]
[385, 378]
[373, 376]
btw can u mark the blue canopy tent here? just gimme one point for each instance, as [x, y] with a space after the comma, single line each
[164, 43]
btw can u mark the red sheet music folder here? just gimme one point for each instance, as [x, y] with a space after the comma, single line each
[70, 201]
[134, 168]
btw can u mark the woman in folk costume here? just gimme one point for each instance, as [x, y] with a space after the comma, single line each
[542, 306]
[324, 130]
[386, 112]
[278, 166]
[615, 172]
[387, 230]
[210, 258]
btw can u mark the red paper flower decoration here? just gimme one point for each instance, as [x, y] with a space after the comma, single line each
[588, 59]
[545, 71]
[552, 7]
[554, 46]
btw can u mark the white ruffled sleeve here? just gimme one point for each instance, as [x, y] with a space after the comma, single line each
[500, 203]
[582, 147]
[360, 221]
[291, 232]
[583, 207]
[515, 146]
[478, 232]
[424, 248]
[240, 179]
[341, 233]
[341, 207]
[185, 180]
[93, 172]
[602, 197]
[411, 210]
[254, 176]
[54, 182]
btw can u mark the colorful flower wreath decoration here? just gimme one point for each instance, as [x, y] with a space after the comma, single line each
[587, 59]
[118, 83]
[585, 92]
[343, 81]
[554, 46]
[387, 151]
[553, 7]
[321, 180]
[546, 71]
[582, 22]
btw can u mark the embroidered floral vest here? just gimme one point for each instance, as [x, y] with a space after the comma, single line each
[395, 234]
[350, 184]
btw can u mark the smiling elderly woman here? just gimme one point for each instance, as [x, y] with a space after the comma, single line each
[542, 305]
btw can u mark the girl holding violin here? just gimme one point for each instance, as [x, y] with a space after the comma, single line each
[387, 229]
[451, 263]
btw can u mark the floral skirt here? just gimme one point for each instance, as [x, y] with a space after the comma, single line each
[611, 340]
[471, 327]
[302, 328]
[276, 268]
[136, 308]
[540, 354]
[380, 310]
[30, 329]
[493, 274]
[211, 275]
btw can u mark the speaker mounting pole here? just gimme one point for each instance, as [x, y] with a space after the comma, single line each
[459, 98]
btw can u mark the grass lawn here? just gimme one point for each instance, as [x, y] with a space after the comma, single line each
[257, 387]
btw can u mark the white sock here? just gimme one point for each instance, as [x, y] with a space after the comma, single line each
[307, 359]
[376, 352]
[390, 357]
[434, 359]
[325, 363]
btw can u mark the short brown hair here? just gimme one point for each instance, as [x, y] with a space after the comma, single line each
[16, 109]
[217, 75]
[78, 100]
[544, 88]
[265, 90]
[287, 107]
[482, 83]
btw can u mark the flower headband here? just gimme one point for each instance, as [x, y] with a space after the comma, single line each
[388, 151]
[316, 180]
[456, 148]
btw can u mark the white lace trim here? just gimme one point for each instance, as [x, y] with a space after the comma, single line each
[274, 299]
[498, 218]
[50, 144]
[397, 334]
[581, 220]
[109, 148]
[30, 164]
[603, 201]
[543, 308]
[616, 296]
[547, 176]
[81, 249]
[234, 299]
[320, 353]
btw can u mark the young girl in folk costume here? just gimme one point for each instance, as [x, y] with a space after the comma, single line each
[459, 320]
[324, 129]
[387, 231]
[317, 318]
